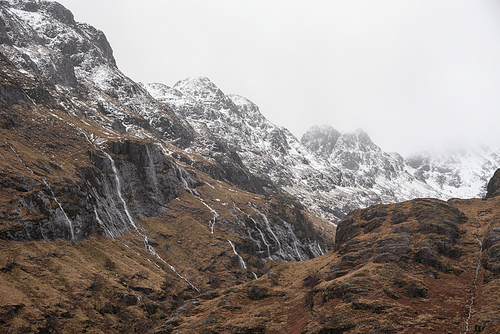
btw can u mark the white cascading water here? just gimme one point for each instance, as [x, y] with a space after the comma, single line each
[474, 286]
[264, 217]
[295, 241]
[193, 192]
[70, 223]
[150, 248]
[212, 221]
[242, 262]
[103, 226]
[321, 252]
[118, 190]
[263, 238]
[258, 229]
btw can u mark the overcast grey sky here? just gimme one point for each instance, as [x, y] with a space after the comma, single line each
[412, 73]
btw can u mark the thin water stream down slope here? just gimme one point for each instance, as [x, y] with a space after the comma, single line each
[474, 286]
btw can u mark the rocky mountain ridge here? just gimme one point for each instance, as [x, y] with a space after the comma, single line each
[127, 205]
[325, 167]
[73, 69]
[343, 171]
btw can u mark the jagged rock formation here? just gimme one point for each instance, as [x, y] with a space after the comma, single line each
[493, 188]
[458, 173]
[326, 167]
[454, 173]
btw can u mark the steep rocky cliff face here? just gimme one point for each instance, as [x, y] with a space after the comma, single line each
[86, 150]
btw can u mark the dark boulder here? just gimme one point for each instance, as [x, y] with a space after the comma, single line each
[493, 188]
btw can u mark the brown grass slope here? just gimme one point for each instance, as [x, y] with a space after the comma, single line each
[401, 268]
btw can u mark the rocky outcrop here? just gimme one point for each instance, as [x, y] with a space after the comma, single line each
[491, 251]
[435, 224]
[493, 188]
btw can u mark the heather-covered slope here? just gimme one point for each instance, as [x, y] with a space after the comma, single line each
[422, 266]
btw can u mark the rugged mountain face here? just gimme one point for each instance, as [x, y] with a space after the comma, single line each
[329, 188]
[237, 122]
[85, 150]
[457, 173]
[134, 207]
[422, 266]
[127, 207]
[363, 162]
[266, 149]
[331, 173]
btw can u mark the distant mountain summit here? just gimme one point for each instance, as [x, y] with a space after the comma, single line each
[321, 140]
[448, 173]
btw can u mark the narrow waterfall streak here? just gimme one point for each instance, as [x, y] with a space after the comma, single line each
[474, 286]
[118, 190]
[193, 192]
[165, 151]
[173, 269]
[301, 258]
[320, 250]
[70, 223]
[18, 157]
[242, 262]
[258, 229]
[263, 238]
[148, 247]
[212, 221]
[112, 228]
[141, 300]
[480, 243]
[295, 240]
[153, 252]
[103, 226]
[269, 228]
